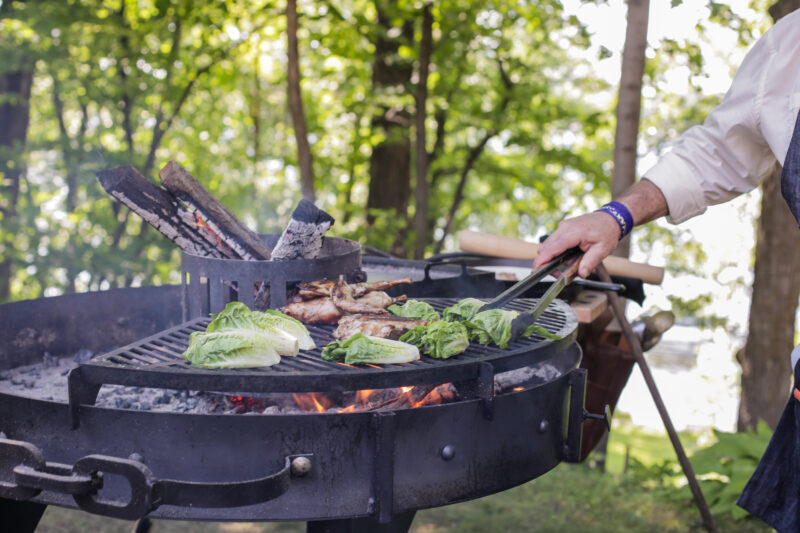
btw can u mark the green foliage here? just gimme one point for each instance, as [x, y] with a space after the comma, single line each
[694, 308]
[725, 467]
[513, 141]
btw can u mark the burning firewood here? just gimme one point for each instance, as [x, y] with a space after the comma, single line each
[246, 243]
[158, 208]
[302, 237]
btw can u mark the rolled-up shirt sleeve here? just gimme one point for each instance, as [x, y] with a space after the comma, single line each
[727, 155]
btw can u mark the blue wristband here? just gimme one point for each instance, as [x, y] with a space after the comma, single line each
[621, 215]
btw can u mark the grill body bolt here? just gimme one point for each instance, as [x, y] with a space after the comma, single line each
[136, 456]
[301, 466]
[544, 425]
[448, 452]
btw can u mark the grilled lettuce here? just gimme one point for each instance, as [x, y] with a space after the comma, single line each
[439, 339]
[462, 310]
[290, 335]
[490, 326]
[361, 348]
[494, 326]
[239, 337]
[231, 348]
[290, 325]
[414, 309]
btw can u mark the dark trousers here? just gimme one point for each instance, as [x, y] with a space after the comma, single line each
[773, 493]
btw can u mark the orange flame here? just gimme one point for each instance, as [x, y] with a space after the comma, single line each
[362, 396]
[312, 402]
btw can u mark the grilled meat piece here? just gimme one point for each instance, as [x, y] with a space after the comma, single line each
[317, 311]
[315, 289]
[379, 299]
[388, 327]
[328, 310]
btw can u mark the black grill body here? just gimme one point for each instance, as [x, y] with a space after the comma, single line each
[378, 466]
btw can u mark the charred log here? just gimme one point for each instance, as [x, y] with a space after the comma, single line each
[160, 209]
[219, 218]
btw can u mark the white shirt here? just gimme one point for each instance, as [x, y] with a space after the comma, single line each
[738, 145]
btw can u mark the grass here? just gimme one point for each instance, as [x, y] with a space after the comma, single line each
[571, 498]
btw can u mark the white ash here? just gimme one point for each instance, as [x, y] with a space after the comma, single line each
[47, 380]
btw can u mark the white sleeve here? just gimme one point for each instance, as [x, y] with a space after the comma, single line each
[727, 155]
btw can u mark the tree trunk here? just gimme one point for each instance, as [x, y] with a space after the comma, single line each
[304, 158]
[15, 93]
[629, 104]
[766, 376]
[390, 162]
[421, 192]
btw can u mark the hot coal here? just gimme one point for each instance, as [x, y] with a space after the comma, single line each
[47, 380]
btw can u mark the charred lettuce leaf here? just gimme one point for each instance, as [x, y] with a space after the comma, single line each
[414, 309]
[289, 324]
[231, 348]
[494, 326]
[289, 335]
[439, 339]
[462, 310]
[361, 348]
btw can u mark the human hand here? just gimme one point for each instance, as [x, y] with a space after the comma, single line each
[597, 234]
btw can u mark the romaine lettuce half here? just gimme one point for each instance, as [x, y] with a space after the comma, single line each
[361, 348]
[439, 339]
[414, 309]
[231, 348]
[290, 325]
[289, 335]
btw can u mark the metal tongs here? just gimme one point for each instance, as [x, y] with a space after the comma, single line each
[570, 259]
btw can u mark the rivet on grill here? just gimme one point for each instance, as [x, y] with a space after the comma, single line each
[448, 452]
[301, 466]
[135, 456]
[543, 426]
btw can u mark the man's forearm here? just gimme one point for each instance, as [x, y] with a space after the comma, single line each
[645, 202]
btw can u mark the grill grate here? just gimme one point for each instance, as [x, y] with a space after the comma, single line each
[156, 361]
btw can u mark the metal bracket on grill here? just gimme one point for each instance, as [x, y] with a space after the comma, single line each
[481, 387]
[84, 481]
[383, 424]
[573, 431]
[80, 392]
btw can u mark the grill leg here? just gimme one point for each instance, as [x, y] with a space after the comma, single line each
[20, 517]
[400, 523]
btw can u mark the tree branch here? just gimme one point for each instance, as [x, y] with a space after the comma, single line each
[474, 153]
[163, 125]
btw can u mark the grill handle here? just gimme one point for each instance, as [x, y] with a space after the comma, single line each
[23, 463]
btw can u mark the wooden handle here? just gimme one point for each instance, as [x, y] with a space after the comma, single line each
[499, 246]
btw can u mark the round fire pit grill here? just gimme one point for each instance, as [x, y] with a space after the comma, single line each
[355, 472]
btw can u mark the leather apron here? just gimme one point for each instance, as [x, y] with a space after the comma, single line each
[773, 493]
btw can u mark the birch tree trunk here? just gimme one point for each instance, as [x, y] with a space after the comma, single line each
[766, 372]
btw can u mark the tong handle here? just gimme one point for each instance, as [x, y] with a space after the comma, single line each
[532, 279]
